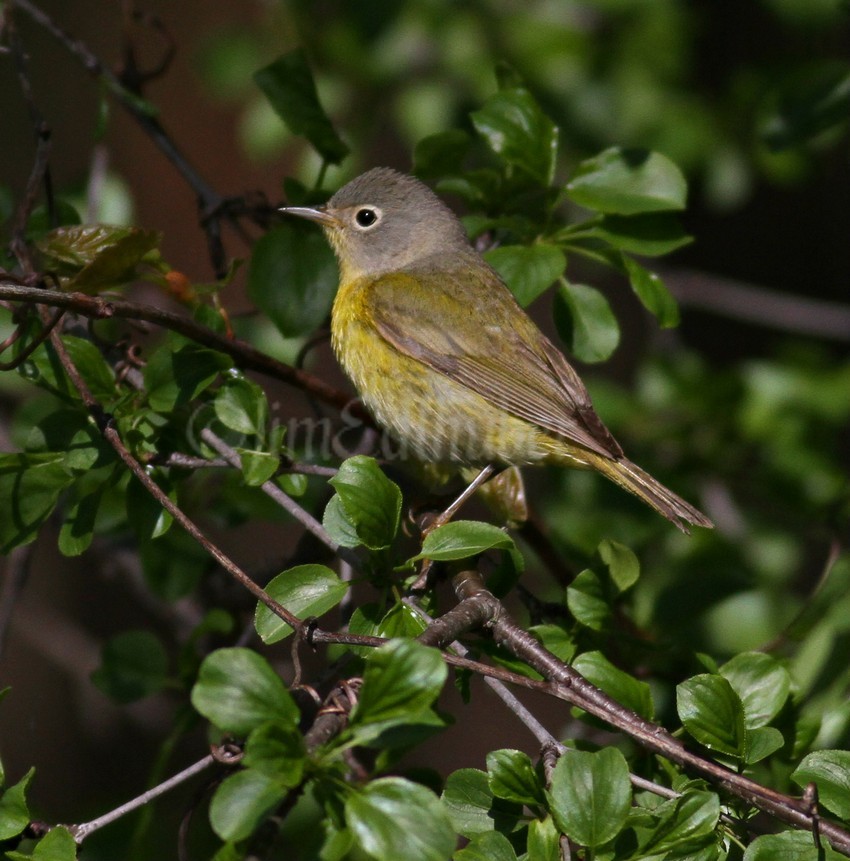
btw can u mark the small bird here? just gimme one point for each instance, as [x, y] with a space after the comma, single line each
[444, 357]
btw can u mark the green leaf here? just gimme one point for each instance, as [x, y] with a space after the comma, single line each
[399, 621]
[56, 845]
[468, 798]
[292, 277]
[471, 806]
[761, 682]
[30, 485]
[626, 689]
[257, 466]
[372, 503]
[242, 801]
[14, 813]
[475, 187]
[145, 514]
[174, 378]
[489, 846]
[627, 182]
[86, 451]
[528, 270]
[96, 257]
[557, 640]
[173, 564]
[237, 690]
[241, 406]
[277, 751]
[584, 320]
[623, 565]
[44, 369]
[77, 530]
[830, 769]
[289, 86]
[133, 665]
[543, 840]
[590, 795]
[513, 777]
[653, 293]
[440, 154]
[229, 852]
[402, 679]
[338, 843]
[305, 590]
[461, 539]
[393, 818]
[518, 131]
[41, 221]
[789, 846]
[69, 431]
[762, 742]
[338, 524]
[712, 713]
[587, 602]
[683, 821]
[649, 234]
[93, 368]
[810, 101]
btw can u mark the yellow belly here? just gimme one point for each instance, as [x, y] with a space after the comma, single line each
[430, 416]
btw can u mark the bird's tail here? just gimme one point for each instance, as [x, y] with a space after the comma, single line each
[632, 478]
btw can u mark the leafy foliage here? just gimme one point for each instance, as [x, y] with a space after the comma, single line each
[711, 638]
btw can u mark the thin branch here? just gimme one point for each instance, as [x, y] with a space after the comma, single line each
[285, 501]
[136, 106]
[739, 301]
[446, 629]
[244, 354]
[212, 206]
[83, 830]
[110, 434]
[333, 716]
[444, 517]
[576, 689]
[33, 345]
[187, 461]
[40, 172]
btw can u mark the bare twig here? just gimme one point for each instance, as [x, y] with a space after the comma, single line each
[110, 434]
[333, 716]
[212, 206]
[40, 172]
[187, 461]
[33, 345]
[283, 500]
[84, 829]
[444, 517]
[137, 108]
[799, 314]
[244, 354]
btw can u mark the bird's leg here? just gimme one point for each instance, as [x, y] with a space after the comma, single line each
[445, 516]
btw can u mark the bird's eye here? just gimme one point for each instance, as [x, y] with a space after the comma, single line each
[366, 217]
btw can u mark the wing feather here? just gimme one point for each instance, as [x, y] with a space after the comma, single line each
[501, 355]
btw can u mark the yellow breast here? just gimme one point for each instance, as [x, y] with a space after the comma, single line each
[430, 416]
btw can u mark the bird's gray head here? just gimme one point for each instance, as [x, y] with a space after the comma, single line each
[383, 221]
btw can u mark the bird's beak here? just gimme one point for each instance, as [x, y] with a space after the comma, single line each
[318, 214]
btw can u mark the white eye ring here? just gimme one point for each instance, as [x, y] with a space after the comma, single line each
[366, 217]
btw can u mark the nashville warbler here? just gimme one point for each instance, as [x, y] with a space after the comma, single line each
[444, 357]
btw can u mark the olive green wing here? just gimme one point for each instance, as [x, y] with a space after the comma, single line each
[476, 334]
